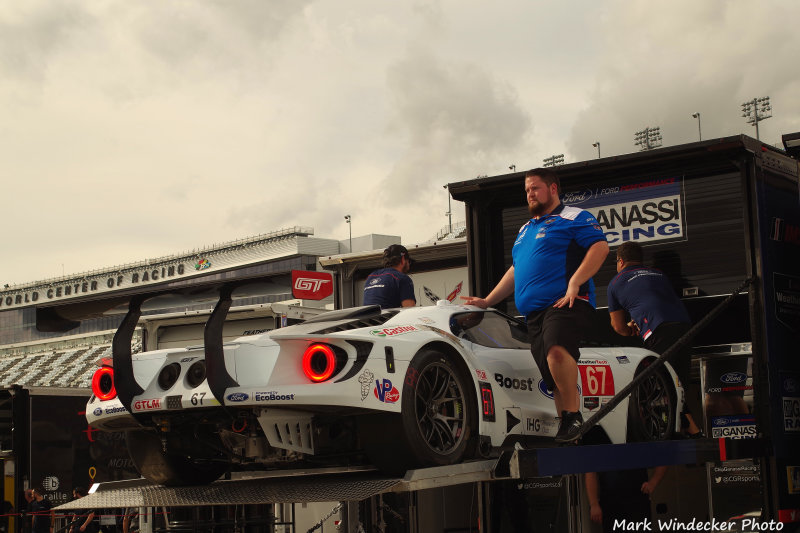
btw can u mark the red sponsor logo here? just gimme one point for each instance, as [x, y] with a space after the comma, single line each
[147, 405]
[310, 285]
[456, 291]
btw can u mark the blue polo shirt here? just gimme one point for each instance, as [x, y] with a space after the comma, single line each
[547, 252]
[647, 295]
[388, 287]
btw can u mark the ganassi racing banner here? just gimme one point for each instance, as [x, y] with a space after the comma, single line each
[643, 212]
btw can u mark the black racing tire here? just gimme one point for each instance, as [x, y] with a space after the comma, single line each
[651, 409]
[438, 421]
[177, 467]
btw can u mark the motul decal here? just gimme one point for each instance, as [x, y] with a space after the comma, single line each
[310, 285]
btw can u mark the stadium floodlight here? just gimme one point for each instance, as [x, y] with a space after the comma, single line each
[756, 110]
[449, 212]
[350, 225]
[648, 138]
[596, 144]
[553, 160]
[512, 168]
[697, 116]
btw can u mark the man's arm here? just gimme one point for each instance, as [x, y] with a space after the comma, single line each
[501, 291]
[650, 485]
[88, 521]
[619, 324]
[595, 512]
[592, 261]
[408, 303]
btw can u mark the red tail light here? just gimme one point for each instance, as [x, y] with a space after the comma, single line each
[103, 383]
[319, 362]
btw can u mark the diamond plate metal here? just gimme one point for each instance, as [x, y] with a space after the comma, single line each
[250, 491]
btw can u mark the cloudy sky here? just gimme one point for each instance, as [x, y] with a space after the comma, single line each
[132, 130]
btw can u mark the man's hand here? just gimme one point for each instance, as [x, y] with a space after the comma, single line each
[596, 513]
[634, 328]
[474, 300]
[569, 298]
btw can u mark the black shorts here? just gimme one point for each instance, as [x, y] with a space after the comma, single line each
[563, 326]
[663, 338]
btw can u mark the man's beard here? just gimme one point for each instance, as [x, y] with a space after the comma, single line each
[539, 209]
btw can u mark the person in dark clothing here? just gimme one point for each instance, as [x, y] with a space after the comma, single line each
[656, 313]
[42, 511]
[82, 522]
[619, 496]
[391, 286]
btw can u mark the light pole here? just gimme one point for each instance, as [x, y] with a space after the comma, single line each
[596, 144]
[449, 212]
[554, 160]
[754, 115]
[648, 138]
[699, 133]
[513, 168]
[350, 225]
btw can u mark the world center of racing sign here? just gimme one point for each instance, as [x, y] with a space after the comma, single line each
[643, 212]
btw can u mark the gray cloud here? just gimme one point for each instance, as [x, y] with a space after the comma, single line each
[453, 118]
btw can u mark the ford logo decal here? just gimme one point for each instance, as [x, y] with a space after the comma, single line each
[544, 389]
[733, 377]
[237, 397]
[98, 412]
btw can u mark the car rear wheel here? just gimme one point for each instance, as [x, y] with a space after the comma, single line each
[651, 409]
[179, 466]
[437, 424]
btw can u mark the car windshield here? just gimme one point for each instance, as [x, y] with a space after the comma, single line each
[490, 328]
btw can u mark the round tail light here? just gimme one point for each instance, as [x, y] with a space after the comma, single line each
[319, 362]
[169, 375]
[196, 374]
[103, 383]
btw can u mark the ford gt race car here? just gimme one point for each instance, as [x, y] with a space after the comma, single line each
[397, 388]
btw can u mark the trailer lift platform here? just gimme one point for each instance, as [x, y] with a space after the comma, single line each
[349, 486]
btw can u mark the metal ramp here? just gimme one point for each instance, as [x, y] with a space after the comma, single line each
[357, 484]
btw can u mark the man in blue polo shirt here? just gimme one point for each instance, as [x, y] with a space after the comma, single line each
[554, 258]
[391, 286]
[656, 313]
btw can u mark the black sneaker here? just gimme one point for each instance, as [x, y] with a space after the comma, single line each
[570, 426]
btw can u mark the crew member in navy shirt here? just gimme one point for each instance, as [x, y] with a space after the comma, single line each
[656, 313]
[554, 258]
[391, 286]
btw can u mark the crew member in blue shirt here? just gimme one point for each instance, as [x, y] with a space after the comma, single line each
[554, 258]
[391, 286]
[656, 313]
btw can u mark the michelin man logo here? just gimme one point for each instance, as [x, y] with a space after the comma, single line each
[365, 379]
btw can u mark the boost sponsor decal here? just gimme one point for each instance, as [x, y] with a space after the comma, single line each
[385, 392]
[525, 384]
[391, 332]
[147, 405]
[113, 410]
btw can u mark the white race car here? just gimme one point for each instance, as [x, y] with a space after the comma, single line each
[397, 388]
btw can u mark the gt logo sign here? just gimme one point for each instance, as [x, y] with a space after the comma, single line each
[385, 392]
[310, 285]
[597, 380]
